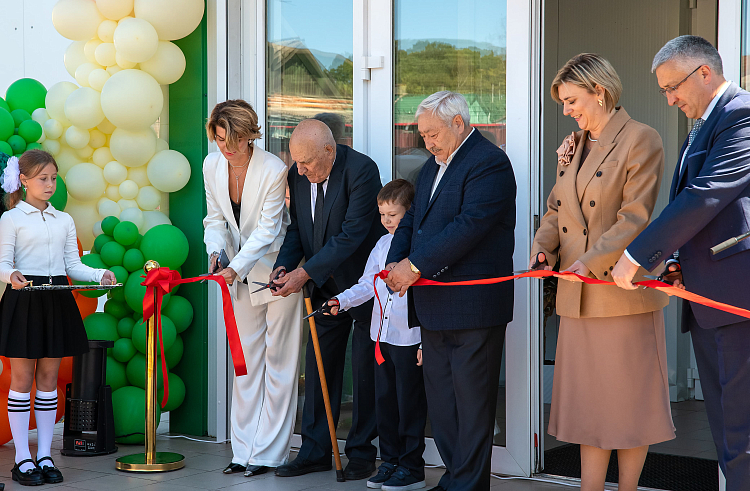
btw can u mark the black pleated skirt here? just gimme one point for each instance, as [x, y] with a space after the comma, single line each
[41, 324]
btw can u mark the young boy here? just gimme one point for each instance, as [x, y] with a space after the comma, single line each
[400, 404]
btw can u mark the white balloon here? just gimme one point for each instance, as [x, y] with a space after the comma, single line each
[83, 108]
[127, 203]
[115, 9]
[42, 138]
[133, 148]
[167, 65]
[77, 20]
[74, 57]
[161, 144]
[85, 216]
[136, 40]
[102, 156]
[85, 182]
[105, 54]
[128, 189]
[53, 129]
[83, 72]
[106, 127]
[51, 146]
[132, 99]
[66, 159]
[113, 69]
[40, 115]
[172, 19]
[77, 138]
[132, 215]
[85, 153]
[139, 175]
[123, 63]
[168, 171]
[108, 208]
[98, 229]
[106, 30]
[149, 198]
[115, 173]
[153, 218]
[89, 49]
[55, 100]
[98, 139]
[97, 79]
[113, 193]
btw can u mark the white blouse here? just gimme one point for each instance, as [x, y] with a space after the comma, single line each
[40, 243]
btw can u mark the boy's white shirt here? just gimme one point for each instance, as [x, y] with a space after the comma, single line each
[396, 329]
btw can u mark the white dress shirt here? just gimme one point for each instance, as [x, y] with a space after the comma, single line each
[722, 88]
[314, 195]
[444, 165]
[396, 329]
[38, 243]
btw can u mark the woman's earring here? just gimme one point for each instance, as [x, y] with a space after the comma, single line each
[601, 104]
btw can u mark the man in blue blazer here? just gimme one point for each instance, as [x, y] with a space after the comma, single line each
[335, 224]
[459, 227]
[709, 203]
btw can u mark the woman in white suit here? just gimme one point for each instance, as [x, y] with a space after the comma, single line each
[246, 216]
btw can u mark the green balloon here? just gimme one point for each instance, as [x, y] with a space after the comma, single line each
[136, 372]
[116, 309]
[180, 311]
[30, 131]
[5, 148]
[125, 233]
[7, 125]
[101, 326]
[137, 243]
[60, 199]
[19, 116]
[168, 333]
[125, 327]
[121, 275]
[92, 261]
[133, 260]
[100, 240]
[176, 393]
[17, 143]
[165, 244]
[117, 294]
[4, 105]
[33, 146]
[134, 293]
[138, 316]
[27, 94]
[174, 354]
[112, 253]
[123, 351]
[116, 376]
[129, 404]
[109, 224]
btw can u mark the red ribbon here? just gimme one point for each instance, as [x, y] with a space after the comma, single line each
[161, 280]
[655, 284]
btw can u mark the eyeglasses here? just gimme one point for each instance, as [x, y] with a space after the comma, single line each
[670, 90]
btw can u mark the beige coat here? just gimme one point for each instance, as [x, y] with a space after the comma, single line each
[594, 213]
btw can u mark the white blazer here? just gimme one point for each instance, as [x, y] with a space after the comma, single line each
[263, 218]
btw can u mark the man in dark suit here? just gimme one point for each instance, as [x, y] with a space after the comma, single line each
[335, 224]
[709, 203]
[459, 227]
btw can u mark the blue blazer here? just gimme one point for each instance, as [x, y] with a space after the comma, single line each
[709, 203]
[464, 232]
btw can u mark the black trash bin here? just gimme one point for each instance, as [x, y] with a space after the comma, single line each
[89, 427]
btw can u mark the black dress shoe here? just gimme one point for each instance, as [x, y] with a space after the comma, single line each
[255, 470]
[299, 467]
[358, 469]
[32, 477]
[51, 473]
[233, 468]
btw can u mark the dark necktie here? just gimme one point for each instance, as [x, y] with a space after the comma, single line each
[318, 224]
[696, 128]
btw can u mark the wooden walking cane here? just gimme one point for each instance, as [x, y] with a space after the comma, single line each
[323, 384]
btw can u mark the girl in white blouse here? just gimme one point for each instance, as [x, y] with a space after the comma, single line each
[38, 243]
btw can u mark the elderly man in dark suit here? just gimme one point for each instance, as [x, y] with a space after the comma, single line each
[459, 227]
[335, 224]
[709, 203]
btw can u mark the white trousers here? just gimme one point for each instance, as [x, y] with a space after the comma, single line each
[264, 402]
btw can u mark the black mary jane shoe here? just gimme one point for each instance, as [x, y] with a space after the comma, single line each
[233, 468]
[255, 470]
[50, 473]
[32, 477]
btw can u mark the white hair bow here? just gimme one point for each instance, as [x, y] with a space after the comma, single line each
[11, 177]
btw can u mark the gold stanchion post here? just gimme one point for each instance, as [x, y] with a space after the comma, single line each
[151, 460]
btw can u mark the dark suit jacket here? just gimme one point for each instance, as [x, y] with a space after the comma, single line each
[464, 232]
[709, 203]
[352, 224]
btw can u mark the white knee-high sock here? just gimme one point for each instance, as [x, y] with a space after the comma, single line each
[45, 410]
[19, 411]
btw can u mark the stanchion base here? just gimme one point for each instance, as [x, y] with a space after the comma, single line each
[163, 462]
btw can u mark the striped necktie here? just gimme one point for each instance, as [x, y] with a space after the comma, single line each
[696, 128]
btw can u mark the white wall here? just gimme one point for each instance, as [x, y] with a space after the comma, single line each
[31, 47]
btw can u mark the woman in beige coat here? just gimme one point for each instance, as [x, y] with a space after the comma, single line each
[610, 389]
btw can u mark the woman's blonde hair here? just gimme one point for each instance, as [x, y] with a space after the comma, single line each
[30, 164]
[239, 120]
[588, 70]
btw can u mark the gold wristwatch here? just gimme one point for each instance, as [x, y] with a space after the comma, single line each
[414, 269]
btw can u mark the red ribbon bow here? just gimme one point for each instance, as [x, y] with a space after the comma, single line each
[161, 280]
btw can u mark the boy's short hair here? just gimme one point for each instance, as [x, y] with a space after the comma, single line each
[399, 191]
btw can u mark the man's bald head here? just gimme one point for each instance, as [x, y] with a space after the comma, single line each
[313, 149]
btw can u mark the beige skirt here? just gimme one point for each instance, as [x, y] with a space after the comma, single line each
[611, 389]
